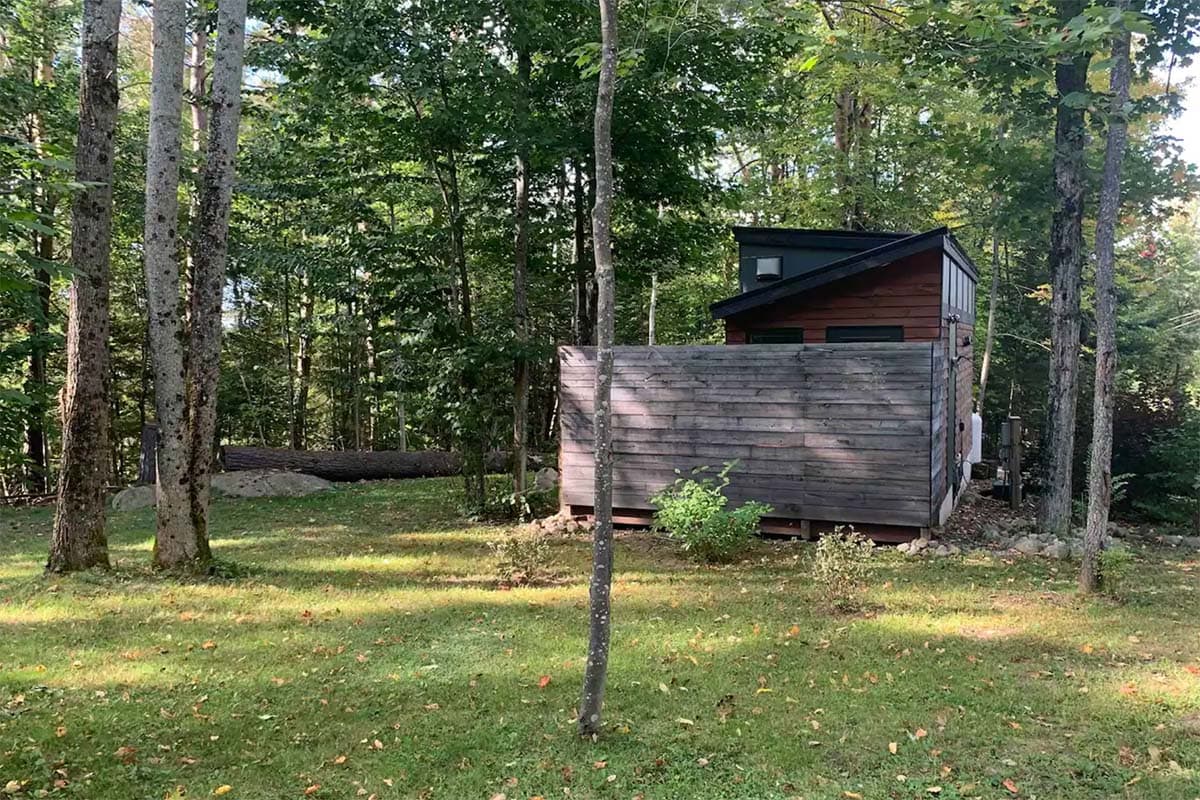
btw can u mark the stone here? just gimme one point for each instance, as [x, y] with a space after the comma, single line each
[1059, 550]
[1076, 550]
[545, 479]
[1192, 542]
[133, 498]
[267, 483]
[903, 547]
[942, 551]
[991, 533]
[1173, 541]
[1028, 545]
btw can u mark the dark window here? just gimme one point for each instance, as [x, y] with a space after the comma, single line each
[864, 333]
[777, 336]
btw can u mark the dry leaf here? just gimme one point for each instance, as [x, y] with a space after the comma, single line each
[1012, 787]
[921, 733]
[543, 681]
[893, 748]
[224, 788]
[311, 790]
[209, 645]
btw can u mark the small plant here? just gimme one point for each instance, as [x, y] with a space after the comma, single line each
[1115, 566]
[523, 558]
[504, 505]
[693, 510]
[843, 563]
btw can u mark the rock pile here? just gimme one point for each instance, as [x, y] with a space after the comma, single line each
[928, 547]
[562, 525]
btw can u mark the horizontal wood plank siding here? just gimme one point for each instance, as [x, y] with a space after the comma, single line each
[837, 433]
[907, 293]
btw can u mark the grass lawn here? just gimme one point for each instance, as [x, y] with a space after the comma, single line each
[364, 649]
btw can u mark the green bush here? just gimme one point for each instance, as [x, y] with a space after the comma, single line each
[843, 563]
[522, 558]
[1115, 568]
[693, 510]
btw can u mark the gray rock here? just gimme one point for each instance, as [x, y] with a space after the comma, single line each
[903, 547]
[133, 498]
[1192, 542]
[267, 483]
[545, 479]
[1076, 549]
[1028, 545]
[1058, 550]
[942, 551]
[1173, 541]
[917, 545]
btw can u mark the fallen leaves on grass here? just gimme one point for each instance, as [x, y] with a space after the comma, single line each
[223, 789]
[1012, 787]
[543, 681]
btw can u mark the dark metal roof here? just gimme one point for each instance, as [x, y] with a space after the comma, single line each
[899, 246]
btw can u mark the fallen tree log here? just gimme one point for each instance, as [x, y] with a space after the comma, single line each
[355, 465]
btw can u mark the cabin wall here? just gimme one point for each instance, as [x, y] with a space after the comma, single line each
[834, 433]
[907, 293]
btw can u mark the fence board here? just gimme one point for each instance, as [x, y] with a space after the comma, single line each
[837, 432]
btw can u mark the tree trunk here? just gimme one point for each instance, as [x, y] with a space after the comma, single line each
[209, 253]
[197, 77]
[600, 621]
[653, 312]
[36, 384]
[303, 363]
[990, 335]
[1066, 267]
[78, 541]
[174, 544]
[584, 317]
[520, 268]
[1100, 472]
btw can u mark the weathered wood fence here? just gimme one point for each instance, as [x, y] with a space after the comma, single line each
[826, 432]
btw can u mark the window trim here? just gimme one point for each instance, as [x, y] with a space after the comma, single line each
[772, 333]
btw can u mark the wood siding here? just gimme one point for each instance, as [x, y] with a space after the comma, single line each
[837, 433]
[907, 293]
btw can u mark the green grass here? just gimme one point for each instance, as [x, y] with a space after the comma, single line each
[366, 625]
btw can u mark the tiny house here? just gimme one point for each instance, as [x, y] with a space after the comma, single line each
[844, 388]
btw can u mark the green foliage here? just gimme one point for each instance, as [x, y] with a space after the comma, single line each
[842, 564]
[1116, 565]
[694, 512]
[523, 558]
[504, 505]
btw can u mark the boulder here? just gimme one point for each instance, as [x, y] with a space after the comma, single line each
[903, 547]
[133, 498]
[267, 483]
[1028, 545]
[1173, 541]
[1192, 542]
[545, 479]
[1059, 550]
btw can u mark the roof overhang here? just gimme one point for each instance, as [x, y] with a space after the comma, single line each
[902, 247]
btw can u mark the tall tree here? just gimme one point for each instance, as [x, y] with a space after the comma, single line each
[209, 253]
[1100, 469]
[520, 270]
[78, 540]
[175, 545]
[600, 591]
[1066, 269]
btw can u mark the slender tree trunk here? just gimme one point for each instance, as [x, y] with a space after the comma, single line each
[209, 254]
[1066, 267]
[197, 77]
[651, 317]
[990, 335]
[1100, 472]
[520, 268]
[303, 363]
[44, 203]
[78, 541]
[600, 621]
[174, 544]
[373, 399]
[584, 317]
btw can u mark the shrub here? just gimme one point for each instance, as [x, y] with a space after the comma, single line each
[693, 510]
[503, 505]
[522, 558]
[843, 563]
[1115, 566]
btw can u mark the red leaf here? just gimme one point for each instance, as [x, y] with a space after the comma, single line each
[1012, 787]
[543, 681]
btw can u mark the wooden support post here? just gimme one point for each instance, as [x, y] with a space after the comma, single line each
[925, 534]
[806, 530]
[1014, 462]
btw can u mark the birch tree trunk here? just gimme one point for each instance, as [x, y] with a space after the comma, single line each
[303, 363]
[174, 544]
[78, 541]
[651, 317]
[1100, 471]
[600, 622]
[520, 280]
[209, 252]
[1066, 267]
